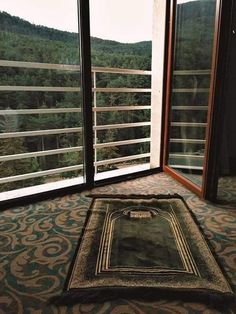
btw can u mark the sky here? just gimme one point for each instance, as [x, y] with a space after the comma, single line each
[184, 1]
[120, 20]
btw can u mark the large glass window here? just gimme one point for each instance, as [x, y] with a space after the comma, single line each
[41, 139]
[41, 118]
[121, 33]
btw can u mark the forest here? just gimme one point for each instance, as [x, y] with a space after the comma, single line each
[23, 41]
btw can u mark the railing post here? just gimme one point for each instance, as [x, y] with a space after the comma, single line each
[95, 120]
[158, 50]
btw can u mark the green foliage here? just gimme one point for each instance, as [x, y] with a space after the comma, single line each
[71, 159]
[10, 146]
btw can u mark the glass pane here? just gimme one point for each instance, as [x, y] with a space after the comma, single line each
[40, 102]
[193, 43]
[121, 63]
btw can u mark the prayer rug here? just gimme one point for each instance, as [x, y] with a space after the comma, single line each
[142, 244]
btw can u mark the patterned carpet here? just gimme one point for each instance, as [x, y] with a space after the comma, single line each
[37, 243]
[227, 191]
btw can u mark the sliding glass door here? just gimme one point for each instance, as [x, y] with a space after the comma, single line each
[41, 121]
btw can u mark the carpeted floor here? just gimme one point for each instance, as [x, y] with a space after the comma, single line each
[227, 191]
[37, 243]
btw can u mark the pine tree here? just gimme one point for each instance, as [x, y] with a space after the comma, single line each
[11, 146]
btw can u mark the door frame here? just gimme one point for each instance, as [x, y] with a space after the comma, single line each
[209, 176]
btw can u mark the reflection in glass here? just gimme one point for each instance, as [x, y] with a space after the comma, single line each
[193, 43]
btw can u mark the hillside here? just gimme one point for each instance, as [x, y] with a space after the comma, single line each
[65, 45]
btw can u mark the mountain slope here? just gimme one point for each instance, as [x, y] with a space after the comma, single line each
[16, 25]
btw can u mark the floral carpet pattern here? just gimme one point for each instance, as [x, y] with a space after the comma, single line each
[38, 241]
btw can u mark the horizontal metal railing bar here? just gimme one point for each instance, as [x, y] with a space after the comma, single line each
[72, 89]
[41, 153]
[120, 71]
[121, 159]
[38, 111]
[185, 140]
[71, 130]
[190, 90]
[38, 89]
[71, 110]
[121, 90]
[39, 132]
[70, 67]
[187, 167]
[192, 72]
[186, 156]
[74, 67]
[120, 126]
[190, 108]
[121, 108]
[39, 174]
[38, 65]
[189, 124]
[119, 143]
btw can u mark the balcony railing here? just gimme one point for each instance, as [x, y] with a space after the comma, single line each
[97, 109]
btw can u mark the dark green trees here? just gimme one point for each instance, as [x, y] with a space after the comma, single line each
[11, 146]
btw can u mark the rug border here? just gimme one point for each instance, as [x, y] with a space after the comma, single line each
[71, 267]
